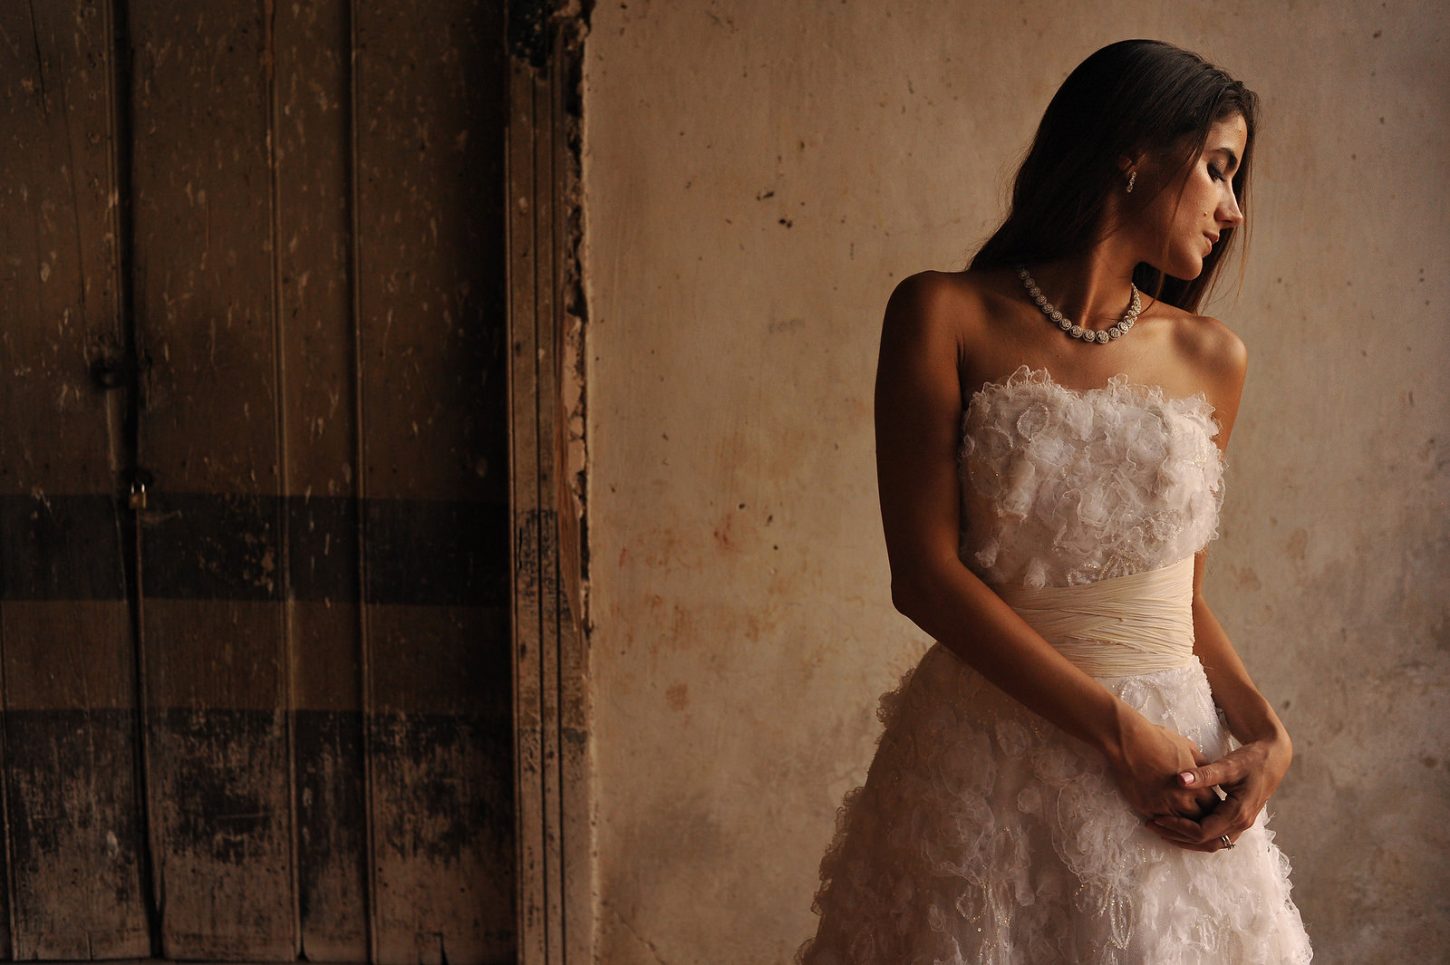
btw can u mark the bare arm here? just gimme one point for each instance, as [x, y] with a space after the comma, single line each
[1251, 773]
[918, 413]
[1250, 717]
[1249, 714]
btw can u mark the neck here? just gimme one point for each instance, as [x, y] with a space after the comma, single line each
[1092, 289]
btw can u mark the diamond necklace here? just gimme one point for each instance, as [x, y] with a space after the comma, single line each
[1072, 328]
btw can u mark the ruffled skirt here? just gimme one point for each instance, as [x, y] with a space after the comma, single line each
[984, 834]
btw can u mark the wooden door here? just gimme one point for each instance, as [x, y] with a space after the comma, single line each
[253, 259]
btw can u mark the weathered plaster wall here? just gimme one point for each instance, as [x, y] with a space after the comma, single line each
[758, 175]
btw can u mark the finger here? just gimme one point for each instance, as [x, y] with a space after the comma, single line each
[1180, 826]
[1182, 841]
[1231, 819]
[1192, 804]
[1225, 770]
[1191, 842]
[1218, 844]
[1167, 831]
[1187, 833]
[1173, 838]
[1179, 841]
[1195, 804]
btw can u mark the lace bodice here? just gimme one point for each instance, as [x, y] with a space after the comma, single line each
[1065, 486]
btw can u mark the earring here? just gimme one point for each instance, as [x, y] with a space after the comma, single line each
[1132, 176]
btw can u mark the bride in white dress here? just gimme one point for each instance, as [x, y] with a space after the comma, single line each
[1077, 770]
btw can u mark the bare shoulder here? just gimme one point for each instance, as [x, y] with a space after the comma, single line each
[958, 306]
[936, 298]
[918, 332]
[1219, 362]
[1215, 352]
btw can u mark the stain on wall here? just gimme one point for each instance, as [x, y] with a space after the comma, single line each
[758, 177]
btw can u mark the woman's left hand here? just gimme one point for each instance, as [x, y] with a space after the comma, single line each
[1249, 775]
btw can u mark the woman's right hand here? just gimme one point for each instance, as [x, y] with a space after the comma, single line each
[1146, 766]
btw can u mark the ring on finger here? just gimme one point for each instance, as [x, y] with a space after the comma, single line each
[1223, 840]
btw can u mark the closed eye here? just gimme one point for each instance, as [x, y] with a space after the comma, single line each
[1216, 173]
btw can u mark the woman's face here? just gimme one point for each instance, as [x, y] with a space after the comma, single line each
[1180, 239]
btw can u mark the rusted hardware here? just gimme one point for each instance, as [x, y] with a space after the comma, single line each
[141, 480]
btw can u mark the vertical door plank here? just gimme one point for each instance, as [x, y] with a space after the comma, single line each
[534, 858]
[74, 839]
[215, 638]
[546, 427]
[432, 99]
[546, 422]
[313, 137]
[566, 482]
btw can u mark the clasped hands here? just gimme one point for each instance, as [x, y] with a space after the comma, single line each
[1169, 781]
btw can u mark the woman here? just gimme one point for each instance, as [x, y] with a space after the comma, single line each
[1076, 771]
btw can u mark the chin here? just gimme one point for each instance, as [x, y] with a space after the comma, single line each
[1186, 266]
[1187, 271]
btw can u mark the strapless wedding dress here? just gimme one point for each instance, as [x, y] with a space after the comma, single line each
[983, 834]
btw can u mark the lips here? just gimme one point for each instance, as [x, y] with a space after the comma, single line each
[1213, 239]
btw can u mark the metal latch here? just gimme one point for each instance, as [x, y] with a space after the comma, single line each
[141, 480]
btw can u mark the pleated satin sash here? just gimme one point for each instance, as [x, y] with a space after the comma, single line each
[1123, 625]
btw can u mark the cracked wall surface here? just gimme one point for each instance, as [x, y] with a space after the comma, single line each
[757, 177]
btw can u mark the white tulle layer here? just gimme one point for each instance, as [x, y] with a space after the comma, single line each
[1065, 486]
[984, 834]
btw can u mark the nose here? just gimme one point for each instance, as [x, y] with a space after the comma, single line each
[1229, 213]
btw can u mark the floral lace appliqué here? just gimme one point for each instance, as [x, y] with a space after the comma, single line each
[1065, 486]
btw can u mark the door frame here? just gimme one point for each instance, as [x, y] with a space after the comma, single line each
[547, 461]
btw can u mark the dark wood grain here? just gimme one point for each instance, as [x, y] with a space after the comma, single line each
[298, 710]
[431, 85]
[217, 681]
[73, 839]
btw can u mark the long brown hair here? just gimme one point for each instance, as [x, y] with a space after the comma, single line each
[1129, 97]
